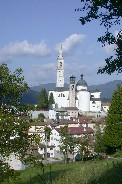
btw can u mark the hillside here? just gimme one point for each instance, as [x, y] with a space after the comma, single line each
[91, 172]
[30, 97]
[106, 89]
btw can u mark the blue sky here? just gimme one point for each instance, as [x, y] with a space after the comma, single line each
[31, 32]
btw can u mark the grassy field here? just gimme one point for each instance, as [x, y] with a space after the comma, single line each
[92, 172]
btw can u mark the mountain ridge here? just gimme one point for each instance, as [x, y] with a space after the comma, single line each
[106, 89]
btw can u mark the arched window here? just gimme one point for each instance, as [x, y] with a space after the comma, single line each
[60, 64]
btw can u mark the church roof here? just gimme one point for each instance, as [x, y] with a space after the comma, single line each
[62, 109]
[94, 90]
[81, 82]
[95, 99]
[61, 89]
[71, 108]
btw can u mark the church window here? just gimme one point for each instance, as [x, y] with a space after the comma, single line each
[93, 102]
[63, 95]
[72, 87]
[59, 95]
[60, 64]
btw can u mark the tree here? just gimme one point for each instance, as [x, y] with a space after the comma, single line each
[84, 147]
[41, 117]
[14, 138]
[43, 100]
[67, 143]
[51, 99]
[109, 12]
[113, 129]
[99, 146]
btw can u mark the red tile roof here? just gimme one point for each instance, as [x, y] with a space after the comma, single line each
[78, 130]
[82, 119]
[105, 104]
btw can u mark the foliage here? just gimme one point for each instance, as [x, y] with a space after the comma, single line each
[109, 12]
[51, 99]
[113, 128]
[12, 86]
[47, 131]
[14, 138]
[43, 100]
[41, 117]
[84, 147]
[99, 142]
[67, 143]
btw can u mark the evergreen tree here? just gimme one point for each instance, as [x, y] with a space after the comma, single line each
[14, 138]
[113, 128]
[43, 100]
[99, 146]
[51, 99]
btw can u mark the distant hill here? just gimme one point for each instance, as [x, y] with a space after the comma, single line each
[30, 97]
[107, 89]
[48, 87]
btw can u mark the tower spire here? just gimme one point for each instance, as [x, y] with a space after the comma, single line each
[60, 51]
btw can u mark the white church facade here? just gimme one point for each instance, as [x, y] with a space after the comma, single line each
[77, 95]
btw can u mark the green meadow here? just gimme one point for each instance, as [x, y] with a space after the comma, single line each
[90, 172]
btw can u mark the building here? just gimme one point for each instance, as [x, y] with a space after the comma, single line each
[105, 106]
[77, 95]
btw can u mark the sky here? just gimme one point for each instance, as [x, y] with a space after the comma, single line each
[31, 32]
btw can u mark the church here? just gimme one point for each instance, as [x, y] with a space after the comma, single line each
[77, 95]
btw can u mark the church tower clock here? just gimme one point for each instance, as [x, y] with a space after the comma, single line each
[60, 69]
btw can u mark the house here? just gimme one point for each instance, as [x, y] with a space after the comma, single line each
[57, 114]
[105, 106]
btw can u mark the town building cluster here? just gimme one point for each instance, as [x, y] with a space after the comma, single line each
[75, 107]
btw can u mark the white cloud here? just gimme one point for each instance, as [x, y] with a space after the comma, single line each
[70, 42]
[23, 48]
[109, 49]
[46, 73]
[77, 69]
[41, 73]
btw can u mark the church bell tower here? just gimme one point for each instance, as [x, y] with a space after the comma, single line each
[72, 92]
[60, 69]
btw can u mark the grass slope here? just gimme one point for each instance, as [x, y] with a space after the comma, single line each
[93, 172]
